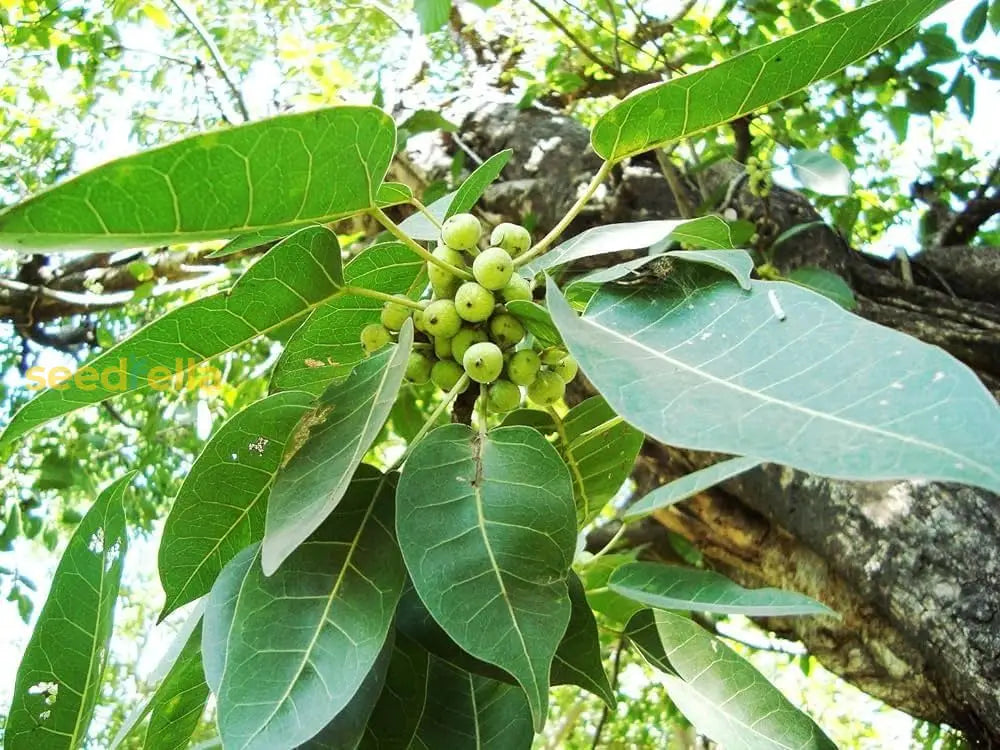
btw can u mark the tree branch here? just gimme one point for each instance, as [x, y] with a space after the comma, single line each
[577, 42]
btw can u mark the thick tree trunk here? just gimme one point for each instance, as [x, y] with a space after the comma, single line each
[912, 567]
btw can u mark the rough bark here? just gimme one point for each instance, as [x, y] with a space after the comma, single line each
[911, 567]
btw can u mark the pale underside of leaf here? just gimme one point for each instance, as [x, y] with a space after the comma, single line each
[699, 363]
[689, 485]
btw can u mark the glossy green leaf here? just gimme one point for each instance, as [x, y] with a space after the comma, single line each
[346, 730]
[266, 169]
[600, 450]
[470, 191]
[397, 713]
[59, 677]
[429, 704]
[537, 320]
[293, 278]
[975, 23]
[738, 263]
[488, 531]
[177, 648]
[710, 97]
[704, 232]
[393, 194]
[419, 227]
[327, 346]
[674, 587]
[433, 14]
[250, 240]
[578, 659]
[785, 375]
[724, 697]
[688, 486]
[534, 418]
[334, 439]
[221, 504]
[824, 282]
[179, 701]
[285, 653]
[820, 173]
[594, 574]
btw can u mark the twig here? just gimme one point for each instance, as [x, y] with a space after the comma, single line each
[213, 50]
[616, 667]
[577, 42]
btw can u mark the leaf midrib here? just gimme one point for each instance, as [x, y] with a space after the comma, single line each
[786, 404]
[326, 611]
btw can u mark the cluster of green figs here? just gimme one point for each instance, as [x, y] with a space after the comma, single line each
[465, 328]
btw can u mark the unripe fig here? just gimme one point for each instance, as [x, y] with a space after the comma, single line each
[513, 238]
[464, 339]
[552, 355]
[374, 336]
[461, 231]
[442, 347]
[418, 320]
[506, 330]
[523, 367]
[493, 268]
[443, 282]
[473, 302]
[517, 288]
[483, 362]
[418, 368]
[445, 374]
[546, 389]
[394, 315]
[441, 319]
[503, 396]
[566, 368]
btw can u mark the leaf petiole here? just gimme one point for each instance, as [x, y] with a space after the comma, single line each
[424, 210]
[415, 246]
[445, 403]
[400, 300]
[543, 244]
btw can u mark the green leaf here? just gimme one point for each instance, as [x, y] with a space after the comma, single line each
[594, 574]
[820, 173]
[688, 486]
[347, 728]
[537, 320]
[64, 55]
[706, 98]
[419, 227]
[393, 194]
[827, 283]
[534, 418]
[600, 450]
[427, 120]
[578, 659]
[725, 698]
[158, 675]
[433, 14]
[326, 347]
[250, 240]
[674, 587]
[293, 278]
[706, 231]
[994, 16]
[470, 191]
[221, 504]
[333, 440]
[964, 90]
[180, 700]
[59, 677]
[738, 263]
[975, 23]
[285, 653]
[430, 704]
[265, 167]
[396, 716]
[785, 375]
[488, 532]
